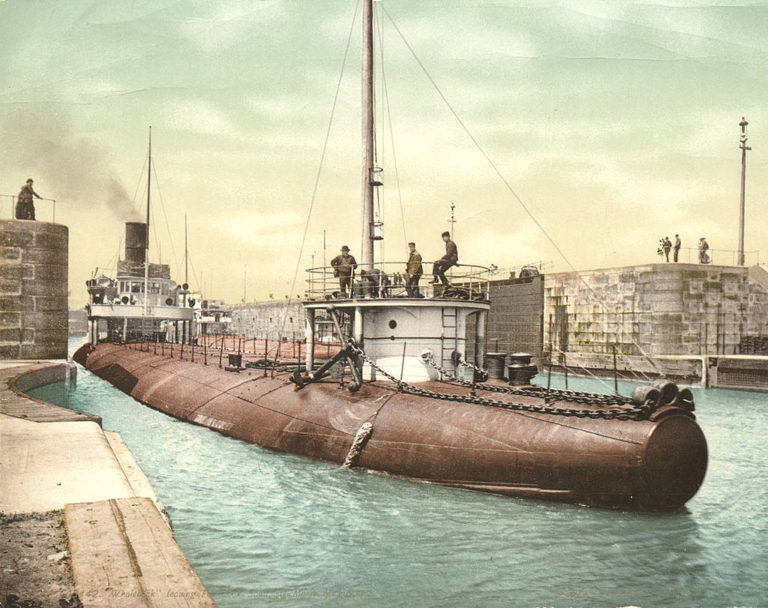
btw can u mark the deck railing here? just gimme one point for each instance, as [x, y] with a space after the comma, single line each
[717, 257]
[12, 198]
[389, 280]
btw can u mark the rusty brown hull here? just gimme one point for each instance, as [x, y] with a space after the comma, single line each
[655, 464]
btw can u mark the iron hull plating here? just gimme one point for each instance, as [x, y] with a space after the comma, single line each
[655, 464]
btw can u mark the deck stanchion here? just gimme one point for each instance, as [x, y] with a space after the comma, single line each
[565, 366]
[298, 359]
[221, 353]
[402, 362]
[549, 371]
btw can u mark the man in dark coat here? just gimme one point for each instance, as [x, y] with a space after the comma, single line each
[343, 267]
[414, 270]
[444, 263]
[25, 207]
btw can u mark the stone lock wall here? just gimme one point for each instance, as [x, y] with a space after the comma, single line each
[656, 309]
[33, 290]
[269, 320]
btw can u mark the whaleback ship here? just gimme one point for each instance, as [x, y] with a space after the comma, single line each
[400, 397]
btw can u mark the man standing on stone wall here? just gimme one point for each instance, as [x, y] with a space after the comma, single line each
[666, 245]
[676, 248]
[703, 255]
[25, 207]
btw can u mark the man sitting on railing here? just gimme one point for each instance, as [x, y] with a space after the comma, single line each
[444, 263]
[25, 207]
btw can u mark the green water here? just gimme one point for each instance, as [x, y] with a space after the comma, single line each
[268, 529]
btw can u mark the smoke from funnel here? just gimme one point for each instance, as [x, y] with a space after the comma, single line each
[41, 145]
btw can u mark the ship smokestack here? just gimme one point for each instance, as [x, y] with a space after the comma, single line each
[135, 244]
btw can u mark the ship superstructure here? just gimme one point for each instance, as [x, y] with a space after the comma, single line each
[133, 306]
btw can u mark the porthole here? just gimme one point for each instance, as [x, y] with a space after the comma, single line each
[392, 324]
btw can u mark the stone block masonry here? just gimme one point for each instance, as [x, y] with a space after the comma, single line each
[273, 319]
[656, 309]
[34, 271]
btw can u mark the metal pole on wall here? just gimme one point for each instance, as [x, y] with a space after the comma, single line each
[743, 145]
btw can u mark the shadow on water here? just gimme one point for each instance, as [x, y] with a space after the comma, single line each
[265, 528]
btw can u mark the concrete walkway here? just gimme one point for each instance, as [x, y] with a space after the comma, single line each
[122, 550]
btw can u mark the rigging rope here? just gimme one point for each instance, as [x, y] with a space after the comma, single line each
[586, 370]
[532, 391]
[507, 184]
[392, 138]
[138, 183]
[319, 169]
[165, 216]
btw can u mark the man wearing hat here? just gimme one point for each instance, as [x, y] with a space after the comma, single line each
[444, 263]
[343, 267]
[25, 207]
[414, 270]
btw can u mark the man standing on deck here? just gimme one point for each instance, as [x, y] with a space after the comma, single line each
[343, 267]
[414, 270]
[444, 263]
[676, 248]
[25, 207]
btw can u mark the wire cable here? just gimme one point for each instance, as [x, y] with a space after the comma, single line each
[320, 168]
[507, 184]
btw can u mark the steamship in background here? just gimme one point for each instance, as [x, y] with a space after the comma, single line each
[141, 303]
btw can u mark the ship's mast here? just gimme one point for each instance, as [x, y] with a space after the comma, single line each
[366, 250]
[146, 239]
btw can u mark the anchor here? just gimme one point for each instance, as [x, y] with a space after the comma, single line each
[347, 354]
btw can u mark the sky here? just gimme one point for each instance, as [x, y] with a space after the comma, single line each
[575, 133]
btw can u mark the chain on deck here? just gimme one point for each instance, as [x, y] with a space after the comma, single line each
[636, 412]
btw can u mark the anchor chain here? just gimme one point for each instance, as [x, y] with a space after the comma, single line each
[537, 391]
[639, 412]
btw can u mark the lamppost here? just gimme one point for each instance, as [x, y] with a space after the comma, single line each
[743, 145]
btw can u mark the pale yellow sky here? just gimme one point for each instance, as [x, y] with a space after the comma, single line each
[615, 122]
